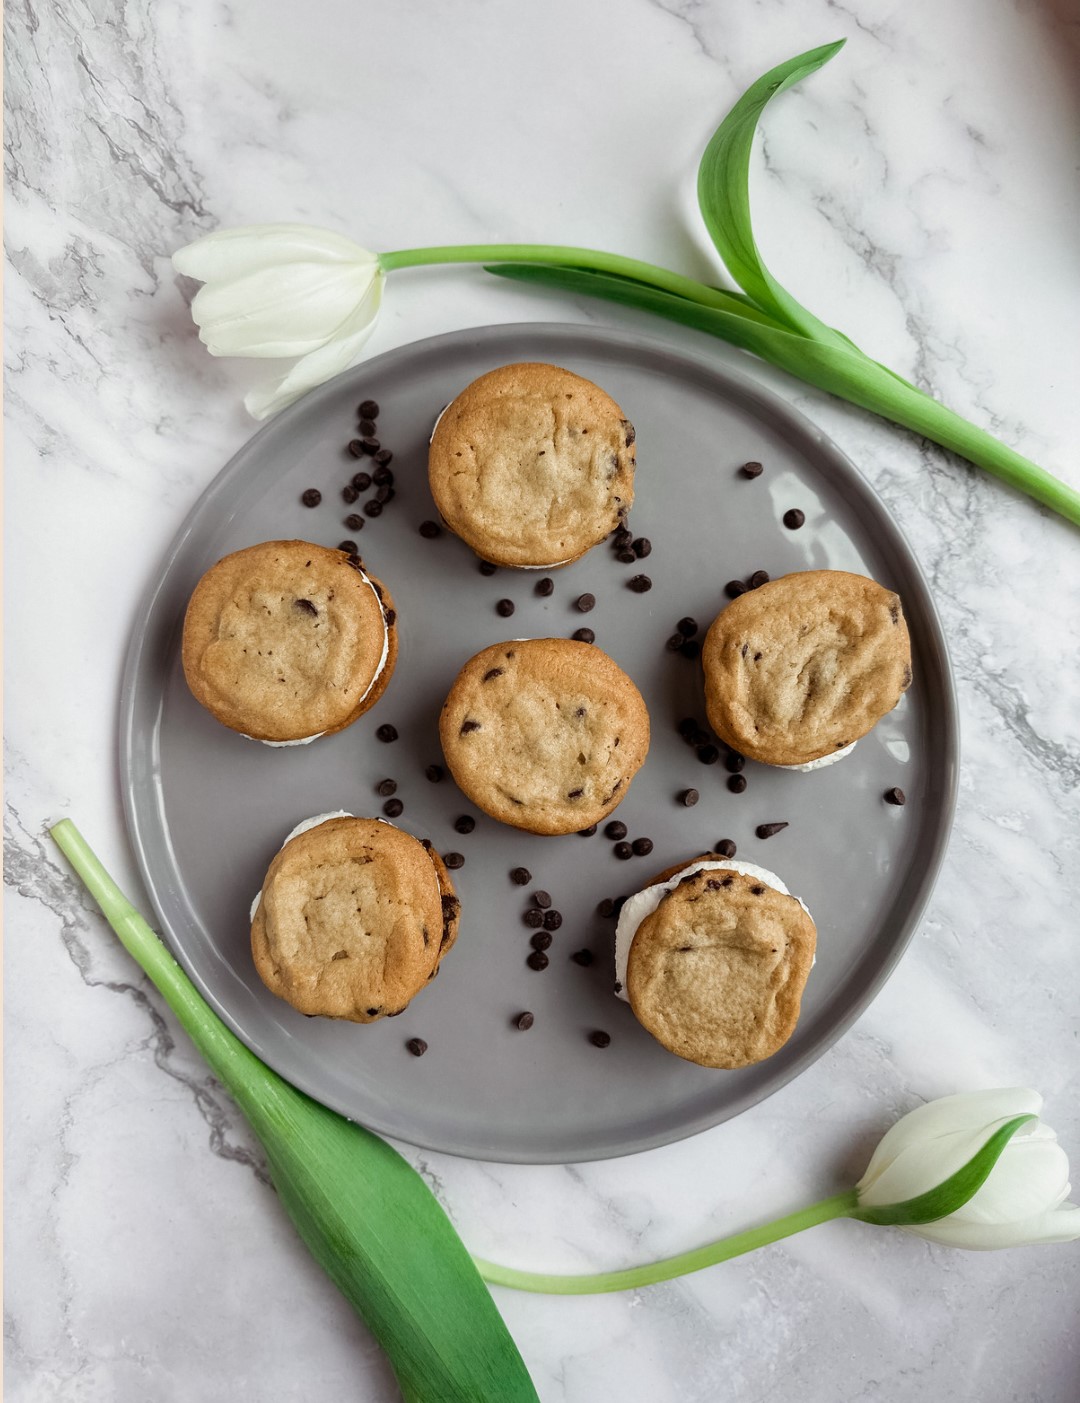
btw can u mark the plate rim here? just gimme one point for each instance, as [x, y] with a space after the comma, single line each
[739, 385]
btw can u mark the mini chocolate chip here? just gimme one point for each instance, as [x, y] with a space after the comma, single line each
[373, 509]
[540, 940]
[468, 726]
[435, 773]
[582, 957]
[752, 469]
[545, 586]
[691, 648]
[606, 907]
[386, 733]
[386, 787]
[504, 608]
[355, 447]
[631, 432]
[430, 529]
[491, 674]
[587, 832]
[736, 783]
[552, 920]
[361, 481]
[369, 409]
[687, 727]
[895, 796]
[642, 547]
[524, 1021]
[640, 584]
[623, 851]
[417, 1046]
[767, 830]
[642, 847]
[542, 899]
[674, 643]
[725, 847]
[759, 578]
[367, 427]
[354, 522]
[486, 567]
[734, 588]
[383, 457]
[622, 538]
[757, 891]
[370, 445]
[521, 876]
[615, 829]
[687, 627]
[533, 917]
[393, 807]
[583, 635]
[349, 547]
[734, 763]
[453, 861]
[385, 494]
[700, 737]
[349, 493]
[538, 960]
[306, 607]
[312, 497]
[794, 519]
[575, 793]
[625, 557]
[599, 1038]
[708, 754]
[465, 824]
[688, 798]
[585, 602]
[382, 476]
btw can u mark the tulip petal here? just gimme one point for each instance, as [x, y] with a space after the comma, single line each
[1031, 1177]
[972, 1110]
[923, 1165]
[323, 364]
[1060, 1225]
[230, 253]
[279, 311]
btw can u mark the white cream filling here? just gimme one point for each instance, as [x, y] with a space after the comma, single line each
[306, 740]
[821, 762]
[303, 827]
[644, 903]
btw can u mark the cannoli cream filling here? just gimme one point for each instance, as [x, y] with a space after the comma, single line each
[822, 760]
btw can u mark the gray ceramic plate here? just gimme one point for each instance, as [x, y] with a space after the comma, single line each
[207, 809]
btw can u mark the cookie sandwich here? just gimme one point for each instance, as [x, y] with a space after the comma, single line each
[287, 641]
[797, 670]
[544, 734]
[713, 958]
[532, 466]
[353, 918]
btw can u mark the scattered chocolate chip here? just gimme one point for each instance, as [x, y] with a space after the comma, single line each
[734, 588]
[752, 469]
[734, 763]
[642, 847]
[599, 1038]
[587, 832]
[349, 493]
[524, 1021]
[469, 726]
[386, 733]
[622, 538]
[691, 648]
[623, 851]
[354, 522]
[373, 509]
[383, 457]
[606, 907]
[382, 477]
[759, 578]
[417, 1046]
[504, 608]
[583, 635]
[349, 547]
[312, 497]
[521, 876]
[642, 547]
[355, 447]
[615, 829]
[585, 602]
[767, 830]
[674, 643]
[540, 940]
[895, 796]
[385, 494]
[545, 586]
[435, 773]
[486, 567]
[537, 960]
[736, 783]
[370, 445]
[533, 917]
[367, 427]
[393, 807]
[430, 529]
[688, 798]
[640, 584]
[306, 607]
[369, 409]
[465, 824]
[552, 920]
[687, 727]
[794, 519]
[542, 899]
[386, 787]
[361, 481]
[453, 861]
[708, 754]
[725, 847]
[625, 557]
[582, 957]
[687, 627]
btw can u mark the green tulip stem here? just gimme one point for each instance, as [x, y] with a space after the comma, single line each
[840, 1206]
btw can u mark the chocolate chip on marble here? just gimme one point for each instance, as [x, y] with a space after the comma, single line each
[752, 469]
[895, 796]
[312, 497]
[768, 830]
[736, 783]
[794, 518]
[688, 797]
[386, 734]
[430, 529]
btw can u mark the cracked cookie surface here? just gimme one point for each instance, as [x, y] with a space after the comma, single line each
[716, 973]
[804, 665]
[286, 640]
[532, 465]
[353, 919]
[544, 734]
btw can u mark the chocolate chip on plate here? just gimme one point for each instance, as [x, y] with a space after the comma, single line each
[640, 584]
[736, 783]
[687, 727]
[734, 762]
[642, 547]
[768, 830]
[552, 920]
[708, 754]
[486, 567]
[533, 917]
[599, 1038]
[734, 588]
[895, 796]
[373, 509]
[625, 557]
[606, 907]
[386, 733]
[521, 876]
[453, 861]
[691, 648]
[752, 469]
[361, 481]
[355, 447]
[759, 578]
[623, 851]
[349, 493]
[540, 940]
[642, 847]
[688, 797]
[582, 957]
[312, 497]
[794, 519]
[725, 847]
[465, 824]
[674, 643]
[435, 773]
[370, 445]
[386, 787]
[538, 960]
[430, 529]
[615, 829]
[583, 635]
[587, 832]
[369, 409]
[367, 427]
[393, 807]
[383, 457]
[417, 1046]
[349, 547]
[585, 602]
[542, 899]
[687, 627]
[545, 586]
[504, 608]
[354, 522]
[524, 1021]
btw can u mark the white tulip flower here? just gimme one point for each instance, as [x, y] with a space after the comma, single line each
[284, 290]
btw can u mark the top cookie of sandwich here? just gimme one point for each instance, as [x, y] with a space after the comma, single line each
[544, 734]
[805, 665]
[287, 640]
[532, 465]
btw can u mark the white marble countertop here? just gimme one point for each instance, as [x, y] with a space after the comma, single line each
[920, 193]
